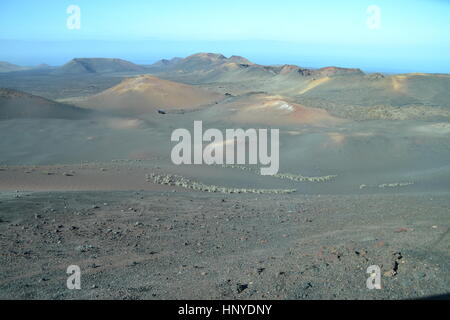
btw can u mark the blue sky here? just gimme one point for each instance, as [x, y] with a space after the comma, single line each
[414, 34]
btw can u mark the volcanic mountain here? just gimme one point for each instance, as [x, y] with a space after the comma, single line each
[98, 65]
[164, 63]
[147, 94]
[9, 67]
[214, 67]
[344, 92]
[266, 109]
[376, 96]
[16, 104]
[199, 62]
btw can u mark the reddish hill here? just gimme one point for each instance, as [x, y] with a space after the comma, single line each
[146, 94]
[98, 65]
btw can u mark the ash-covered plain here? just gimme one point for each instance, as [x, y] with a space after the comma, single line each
[86, 179]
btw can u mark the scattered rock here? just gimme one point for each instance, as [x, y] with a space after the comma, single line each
[308, 286]
[394, 271]
[241, 287]
[361, 253]
[389, 274]
[178, 181]
[84, 248]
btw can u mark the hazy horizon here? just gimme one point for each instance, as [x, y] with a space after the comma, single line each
[412, 36]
